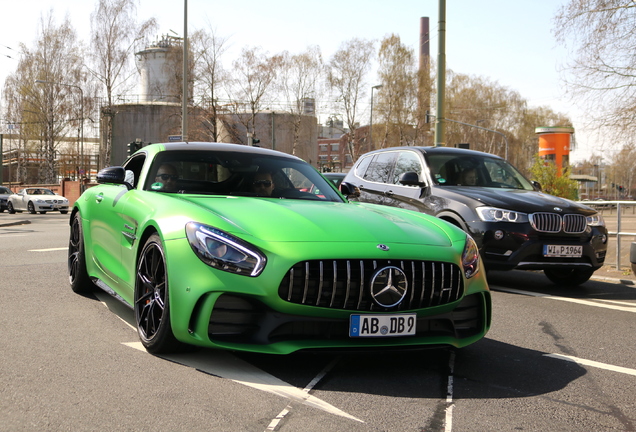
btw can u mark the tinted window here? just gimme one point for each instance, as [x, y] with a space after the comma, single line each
[236, 173]
[450, 170]
[380, 168]
[407, 162]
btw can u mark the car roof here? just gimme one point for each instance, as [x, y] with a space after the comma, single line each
[440, 150]
[210, 146]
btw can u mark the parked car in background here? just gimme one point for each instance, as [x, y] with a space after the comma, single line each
[515, 225]
[220, 245]
[335, 177]
[37, 199]
[4, 196]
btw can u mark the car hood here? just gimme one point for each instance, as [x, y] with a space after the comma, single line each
[277, 220]
[514, 199]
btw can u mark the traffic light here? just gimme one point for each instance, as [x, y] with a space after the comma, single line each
[133, 147]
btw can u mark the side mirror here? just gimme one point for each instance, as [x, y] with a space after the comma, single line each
[349, 190]
[114, 175]
[410, 178]
[536, 185]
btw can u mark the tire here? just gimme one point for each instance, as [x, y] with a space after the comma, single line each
[152, 300]
[569, 277]
[10, 208]
[77, 274]
[42, 212]
[31, 208]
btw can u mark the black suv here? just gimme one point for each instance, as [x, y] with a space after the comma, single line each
[515, 224]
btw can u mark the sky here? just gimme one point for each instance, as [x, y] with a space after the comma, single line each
[508, 42]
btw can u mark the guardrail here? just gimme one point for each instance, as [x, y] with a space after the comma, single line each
[615, 225]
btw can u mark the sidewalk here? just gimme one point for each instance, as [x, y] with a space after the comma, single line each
[609, 273]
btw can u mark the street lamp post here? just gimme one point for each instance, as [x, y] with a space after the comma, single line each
[82, 167]
[371, 118]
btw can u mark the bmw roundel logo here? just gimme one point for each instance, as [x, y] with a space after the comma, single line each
[383, 247]
[559, 209]
[388, 286]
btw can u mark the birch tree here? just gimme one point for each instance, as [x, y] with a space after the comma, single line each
[347, 72]
[115, 37]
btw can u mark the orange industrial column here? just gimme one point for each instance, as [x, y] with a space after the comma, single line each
[554, 144]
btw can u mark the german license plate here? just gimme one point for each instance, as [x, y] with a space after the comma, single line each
[567, 251]
[382, 325]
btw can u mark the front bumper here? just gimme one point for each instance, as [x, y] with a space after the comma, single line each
[218, 309]
[507, 246]
[49, 207]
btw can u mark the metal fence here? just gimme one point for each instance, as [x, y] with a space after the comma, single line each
[620, 217]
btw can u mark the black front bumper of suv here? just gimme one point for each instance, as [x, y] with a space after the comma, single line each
[507, 246]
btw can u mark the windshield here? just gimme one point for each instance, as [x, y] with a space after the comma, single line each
[237, 173]
[475, 171]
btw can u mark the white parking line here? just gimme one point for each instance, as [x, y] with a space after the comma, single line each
[272, 425]
[571, 300]
[448, 419]
[595, 364]
[49, 249]
[225, 365]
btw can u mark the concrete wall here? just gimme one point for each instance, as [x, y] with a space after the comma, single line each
[152, 123]
[275, 131]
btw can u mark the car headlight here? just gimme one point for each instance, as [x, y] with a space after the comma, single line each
[223, 251]
[470, 258]
[494, 214]
[595, 220]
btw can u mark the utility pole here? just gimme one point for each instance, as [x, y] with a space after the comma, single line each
[440, 125]
[184, 97]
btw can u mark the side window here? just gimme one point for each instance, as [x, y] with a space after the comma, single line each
[362, 166]
[407, 162]
[381, 167]
[134, 165]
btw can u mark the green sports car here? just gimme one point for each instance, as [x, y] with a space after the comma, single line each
[220, 245]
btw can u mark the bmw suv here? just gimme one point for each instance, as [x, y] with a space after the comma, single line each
[515, 224]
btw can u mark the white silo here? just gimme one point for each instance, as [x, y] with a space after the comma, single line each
[156, 67]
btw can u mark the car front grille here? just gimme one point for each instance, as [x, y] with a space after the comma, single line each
[344, 284]
[554, 223]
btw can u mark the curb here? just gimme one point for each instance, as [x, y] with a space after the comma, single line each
[614, 280]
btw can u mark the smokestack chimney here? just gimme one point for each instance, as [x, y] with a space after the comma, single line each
[424, 81]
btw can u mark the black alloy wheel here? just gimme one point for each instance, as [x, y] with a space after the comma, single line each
[10, 208]
[77, 274]
[152, 312]
[31, 208]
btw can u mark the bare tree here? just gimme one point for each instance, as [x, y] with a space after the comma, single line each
[347, 72]
[298, 79]
[397, 104]
[115, 36]
[50, 108]
[209, 77]
[603, 70]
[253, 75]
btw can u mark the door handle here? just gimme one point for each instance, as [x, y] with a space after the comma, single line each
[388, 193]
